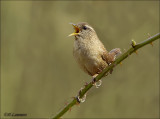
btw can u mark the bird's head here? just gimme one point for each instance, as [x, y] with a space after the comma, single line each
[83, 30]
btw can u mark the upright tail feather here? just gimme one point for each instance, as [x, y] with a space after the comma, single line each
[113, 54]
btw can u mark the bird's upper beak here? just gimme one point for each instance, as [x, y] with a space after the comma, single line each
[77, 30]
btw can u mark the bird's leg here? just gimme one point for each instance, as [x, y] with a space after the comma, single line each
[98, 83]
[94, 78]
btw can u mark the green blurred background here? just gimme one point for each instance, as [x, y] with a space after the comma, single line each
[39, 74]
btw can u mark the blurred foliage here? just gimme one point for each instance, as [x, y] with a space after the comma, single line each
[39, 74]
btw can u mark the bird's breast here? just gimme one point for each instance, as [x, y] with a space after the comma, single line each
[88, 56]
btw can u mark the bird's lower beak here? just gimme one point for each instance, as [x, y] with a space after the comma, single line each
[77, 30]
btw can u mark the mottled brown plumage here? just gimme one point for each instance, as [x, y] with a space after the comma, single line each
[89, 51]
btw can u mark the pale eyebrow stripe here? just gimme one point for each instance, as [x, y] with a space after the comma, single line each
[89, 27]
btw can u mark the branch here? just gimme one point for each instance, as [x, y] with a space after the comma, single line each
[83, 91]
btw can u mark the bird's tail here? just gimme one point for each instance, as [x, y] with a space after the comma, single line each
[113, 54]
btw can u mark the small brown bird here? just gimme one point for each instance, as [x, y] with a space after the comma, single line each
[89, 51]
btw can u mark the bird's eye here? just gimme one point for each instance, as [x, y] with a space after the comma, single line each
[84, 27]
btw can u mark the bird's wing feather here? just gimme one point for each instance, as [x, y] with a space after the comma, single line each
[105, 57]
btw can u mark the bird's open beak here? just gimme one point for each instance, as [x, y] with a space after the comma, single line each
[77, 30]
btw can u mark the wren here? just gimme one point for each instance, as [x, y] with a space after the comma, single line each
[88, 50]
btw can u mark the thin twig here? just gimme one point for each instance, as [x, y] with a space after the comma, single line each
[134, 48]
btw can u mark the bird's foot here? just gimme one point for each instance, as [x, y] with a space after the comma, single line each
[81, 99]
[94, 79]
[96, 83]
